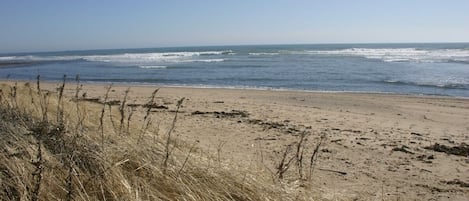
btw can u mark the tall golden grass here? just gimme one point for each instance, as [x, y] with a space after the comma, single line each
[54, 147]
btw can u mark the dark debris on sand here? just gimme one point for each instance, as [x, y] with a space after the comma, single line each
[222, 114]
[403, 148]
[460, 150]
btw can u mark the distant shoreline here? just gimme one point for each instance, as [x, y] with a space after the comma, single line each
[71, 81]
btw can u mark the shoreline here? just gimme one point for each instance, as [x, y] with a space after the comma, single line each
[267, 89]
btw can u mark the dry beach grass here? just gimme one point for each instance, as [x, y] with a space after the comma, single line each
[57, 147]
[101, 142]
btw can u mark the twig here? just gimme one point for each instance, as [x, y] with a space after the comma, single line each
[299, 154]
[79, 115]
[284, 165]
[315, 156]
[110, 116]
[122, 110]
[335, 171]
[146, 118]
[101, 118]
[41, 99]
[187, 158]
[168, 140]
[129, 118]
[60, 102]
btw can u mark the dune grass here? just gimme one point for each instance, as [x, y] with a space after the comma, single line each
[55, 147]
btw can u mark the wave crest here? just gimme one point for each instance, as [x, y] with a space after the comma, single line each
[403, 54]
[444, 85]
[153, 67]
[127, 58]
[263, 53]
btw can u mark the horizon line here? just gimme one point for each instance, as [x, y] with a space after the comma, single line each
[227, 45]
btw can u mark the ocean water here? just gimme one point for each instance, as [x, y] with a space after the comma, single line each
[429, 69]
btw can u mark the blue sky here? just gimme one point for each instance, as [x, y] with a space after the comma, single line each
[51, 25]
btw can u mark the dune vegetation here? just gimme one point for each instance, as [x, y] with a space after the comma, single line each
[69, 147]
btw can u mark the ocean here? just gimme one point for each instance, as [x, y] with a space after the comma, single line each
[420, 69]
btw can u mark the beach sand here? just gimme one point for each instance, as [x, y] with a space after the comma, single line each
[373, 146]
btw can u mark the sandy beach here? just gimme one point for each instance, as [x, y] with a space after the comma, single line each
[234, 100]
[373, 146]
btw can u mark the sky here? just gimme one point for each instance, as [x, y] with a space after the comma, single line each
[54, 25]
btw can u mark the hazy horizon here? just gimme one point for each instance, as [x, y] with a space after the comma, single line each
[54, 25]
[223, 45]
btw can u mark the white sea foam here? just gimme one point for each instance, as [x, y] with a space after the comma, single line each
[263, 53]
[155, 67]
[7, 58]
[403, 54]
[205, 60]
[20, 58]
[432, 81]
[156, 57]
[153, 57]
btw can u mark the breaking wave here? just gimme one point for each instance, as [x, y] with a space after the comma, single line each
[168, 57]
[263, 53]
[155, 67]
[206, 60]
[403, 54]
[443, 85]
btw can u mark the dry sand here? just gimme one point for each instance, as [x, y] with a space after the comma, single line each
[377, 141]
